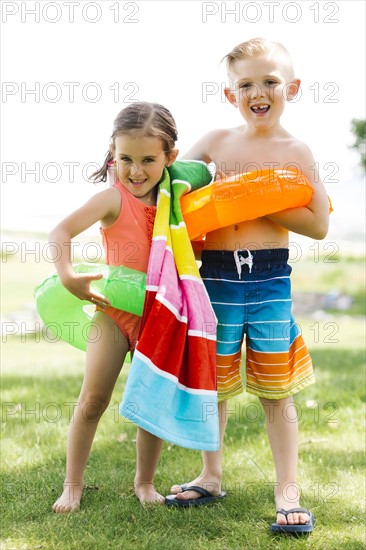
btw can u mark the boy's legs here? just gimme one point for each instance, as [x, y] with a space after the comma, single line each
[277, 364]
[282, 429]
[267, 323]
[225, 297]
[211, 474]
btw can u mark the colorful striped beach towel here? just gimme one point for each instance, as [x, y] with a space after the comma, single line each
[171, 389]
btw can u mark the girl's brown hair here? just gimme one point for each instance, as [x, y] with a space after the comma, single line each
[151, 119]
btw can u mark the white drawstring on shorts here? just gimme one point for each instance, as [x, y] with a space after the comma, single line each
[240, 260]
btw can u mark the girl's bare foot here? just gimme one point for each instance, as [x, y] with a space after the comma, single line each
[145, 492]
[69, 501]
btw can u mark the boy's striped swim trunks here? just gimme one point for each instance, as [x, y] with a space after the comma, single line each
[250, 292]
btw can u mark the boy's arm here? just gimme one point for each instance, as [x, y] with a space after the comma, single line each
[313, 219]
[203, 149]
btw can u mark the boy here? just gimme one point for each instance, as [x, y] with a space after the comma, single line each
[246, 265]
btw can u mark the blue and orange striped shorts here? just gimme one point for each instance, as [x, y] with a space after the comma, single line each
[250, 292]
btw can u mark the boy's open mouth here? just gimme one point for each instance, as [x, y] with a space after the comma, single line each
[260, 109]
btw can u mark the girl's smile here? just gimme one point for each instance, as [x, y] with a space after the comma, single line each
[137, 182]
[140, 164]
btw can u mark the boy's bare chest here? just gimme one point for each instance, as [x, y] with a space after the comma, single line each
[235, 159]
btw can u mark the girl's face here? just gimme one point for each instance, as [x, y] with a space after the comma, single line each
[140, 164]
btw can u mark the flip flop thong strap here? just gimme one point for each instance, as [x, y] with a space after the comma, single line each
[292, 511]
[199, 490]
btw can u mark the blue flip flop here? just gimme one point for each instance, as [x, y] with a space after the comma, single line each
[205, 498]
[294, 529]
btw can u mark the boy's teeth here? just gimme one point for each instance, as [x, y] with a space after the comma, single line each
[260, 108]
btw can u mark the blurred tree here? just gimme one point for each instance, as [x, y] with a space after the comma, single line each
[358, 127]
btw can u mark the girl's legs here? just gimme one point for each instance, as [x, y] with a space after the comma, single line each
[148, 452]
[210, 477]
[104, 360]
[282, 429]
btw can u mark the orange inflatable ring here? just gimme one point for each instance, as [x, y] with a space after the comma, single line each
[243, 197]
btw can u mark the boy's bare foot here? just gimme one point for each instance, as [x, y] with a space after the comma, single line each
[146, 494]
[213, 486]
[287, 497]
[69, 501]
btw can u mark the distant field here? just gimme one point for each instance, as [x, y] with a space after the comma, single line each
[318, 267]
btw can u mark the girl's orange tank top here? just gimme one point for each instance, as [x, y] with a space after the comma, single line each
[128, 240]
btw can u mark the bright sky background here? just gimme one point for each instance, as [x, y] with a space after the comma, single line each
[168, 52]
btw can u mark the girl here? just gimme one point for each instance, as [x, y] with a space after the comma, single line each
[142, 144]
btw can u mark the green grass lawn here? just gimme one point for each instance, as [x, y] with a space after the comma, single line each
[41, 381]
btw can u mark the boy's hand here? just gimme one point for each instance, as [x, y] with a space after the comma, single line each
[197, 249]
[220, 175]
[79, 285]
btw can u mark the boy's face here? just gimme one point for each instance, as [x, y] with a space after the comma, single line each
[260, 87]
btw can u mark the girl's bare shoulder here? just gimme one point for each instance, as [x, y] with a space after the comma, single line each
[110, 203]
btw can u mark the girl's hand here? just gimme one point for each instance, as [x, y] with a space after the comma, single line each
[79, 285]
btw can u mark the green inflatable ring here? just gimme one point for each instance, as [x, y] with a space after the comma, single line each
[66, 316]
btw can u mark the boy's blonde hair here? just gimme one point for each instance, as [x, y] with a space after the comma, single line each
[259, 46]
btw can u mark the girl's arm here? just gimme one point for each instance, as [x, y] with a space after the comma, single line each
[313, 219]
[104, 205]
